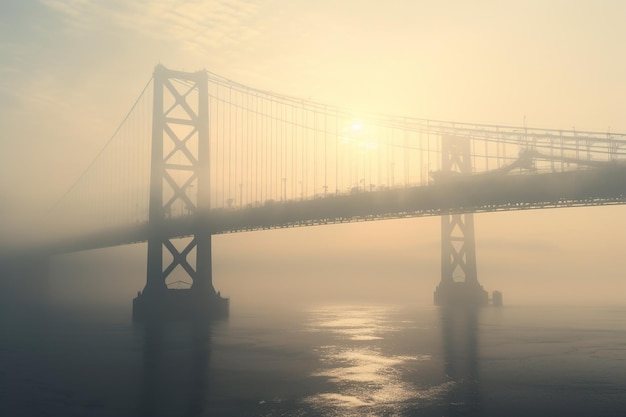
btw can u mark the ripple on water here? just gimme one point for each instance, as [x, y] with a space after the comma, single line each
[364, 377]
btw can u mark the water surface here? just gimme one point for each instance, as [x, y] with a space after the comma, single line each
[335, 360]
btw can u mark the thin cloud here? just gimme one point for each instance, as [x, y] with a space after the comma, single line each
[196, 25]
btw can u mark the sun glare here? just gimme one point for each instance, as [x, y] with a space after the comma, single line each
[360, 136]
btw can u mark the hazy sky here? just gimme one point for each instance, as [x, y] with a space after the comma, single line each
[70, 70]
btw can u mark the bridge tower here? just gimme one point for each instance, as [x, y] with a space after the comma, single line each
[179, 189]
[459, 280]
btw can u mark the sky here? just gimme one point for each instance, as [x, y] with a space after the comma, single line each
[70, 70]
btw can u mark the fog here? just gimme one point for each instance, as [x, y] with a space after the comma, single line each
[72, 70]
[394, 262]
[334, 319]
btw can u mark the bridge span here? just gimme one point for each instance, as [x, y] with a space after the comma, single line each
[200, 155]
[481, 193]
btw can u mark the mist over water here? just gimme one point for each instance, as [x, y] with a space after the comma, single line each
[330, 360]
[325, 321]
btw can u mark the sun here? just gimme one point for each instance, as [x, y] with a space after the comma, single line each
[357, 134]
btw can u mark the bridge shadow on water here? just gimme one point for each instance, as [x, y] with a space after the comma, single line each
[335, 362]
[178, 378]
[460, 337]
[175, 368]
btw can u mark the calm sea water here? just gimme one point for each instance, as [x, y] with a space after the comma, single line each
[339, 360]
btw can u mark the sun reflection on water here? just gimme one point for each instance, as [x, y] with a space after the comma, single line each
[365, 374]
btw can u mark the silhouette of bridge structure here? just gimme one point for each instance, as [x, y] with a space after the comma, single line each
[199, 155]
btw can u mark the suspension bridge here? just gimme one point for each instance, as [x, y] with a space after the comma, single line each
[199, 155]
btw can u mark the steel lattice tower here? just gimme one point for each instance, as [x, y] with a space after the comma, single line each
[459, 279]
[179, 179]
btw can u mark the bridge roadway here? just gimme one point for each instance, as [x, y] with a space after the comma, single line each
[476, 193]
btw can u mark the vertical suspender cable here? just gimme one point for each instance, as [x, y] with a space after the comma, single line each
[302, 143]
[336, 151]
[325, 151]
[314, 152]
[257, 136]
[230, 142]
[266, 153]
[223, 146]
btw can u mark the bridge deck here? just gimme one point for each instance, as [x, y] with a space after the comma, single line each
[455, 194]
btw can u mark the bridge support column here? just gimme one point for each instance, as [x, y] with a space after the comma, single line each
[459, 279]
[179, 190]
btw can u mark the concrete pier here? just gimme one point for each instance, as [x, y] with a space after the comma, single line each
[179, 304]
[450, 293]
